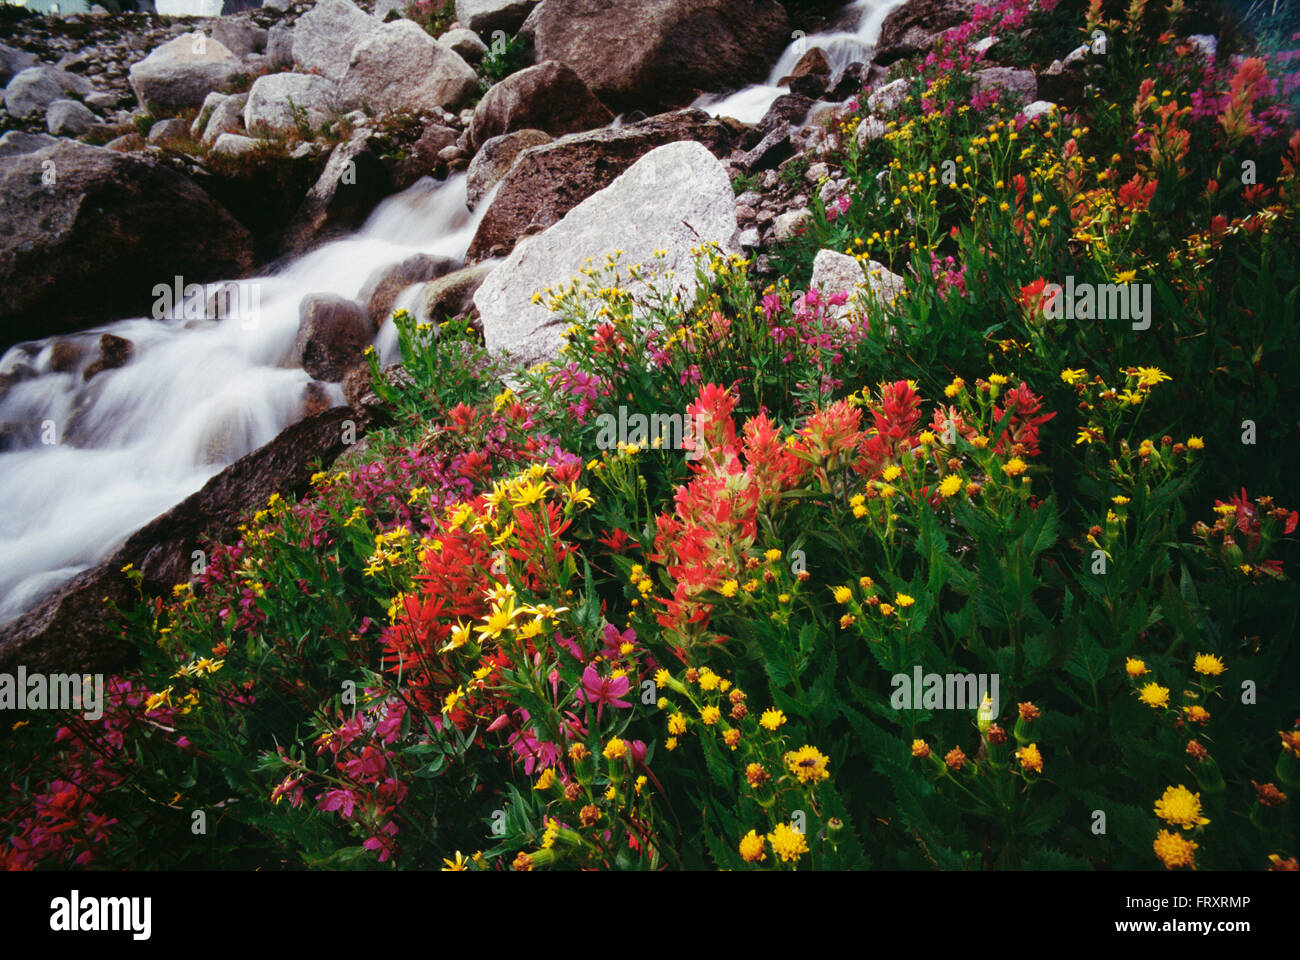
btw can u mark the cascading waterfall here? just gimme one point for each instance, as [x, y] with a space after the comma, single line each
[841, 49]
[87, 463]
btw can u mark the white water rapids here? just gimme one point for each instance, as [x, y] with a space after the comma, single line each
[84, 464]
[841, 47]
[195, 396]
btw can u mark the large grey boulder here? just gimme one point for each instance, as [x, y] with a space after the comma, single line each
[165, 131]
[658, 54]
[68, 118]
[324, 37]
[34, 89]
[238, 35]
[182, 72]
[333, 333]
[466, 43]
[234, 145]
[673, 199]
[86, 233]
[890, 97]
[16, 141]
[400, 68]
[279, 46]
[13, 62]
[277, 101]
[550, 97]
[834, 272]
[547, 181]
[495, 158]
[484, 16]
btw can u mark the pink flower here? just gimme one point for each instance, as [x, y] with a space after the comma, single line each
[602, 690]
[344, 801]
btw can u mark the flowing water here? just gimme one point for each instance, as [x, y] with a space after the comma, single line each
[841, 47]
[88, 463]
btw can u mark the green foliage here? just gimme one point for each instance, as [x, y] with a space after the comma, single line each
[505, 55]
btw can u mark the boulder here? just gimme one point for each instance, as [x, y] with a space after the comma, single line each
[234, 145]
[890, 97]
[381, 289]
[849, 83]
[791, 108]
[1061, 83]
[103, 100]
[69, 630]
[787, 225]
[433, 141]
[13, 62]
[66, 354]
[324, 37]
[659, 54]
[770, 152]
[68, 118]
[1036, 109]
[811, 85]
[400, 68]
[16, 141]
[210, 103]
[165, 131]
[180, 73]
[485, 16]
[466, 43]
[673, 199]
[916, 23]
[275, 98]
[34, 89]
[1015, 86]
[870, 129]
[812, 62]
[89, 247]
[494, 158]
[227, 117]
[423, 158]
[316, 396]
[241, 37]
[835, 272]
[453, 295]
[333, 333]
[279, 46]
[353, 182]
[549, 180]
[114, 352]
[550, 97]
